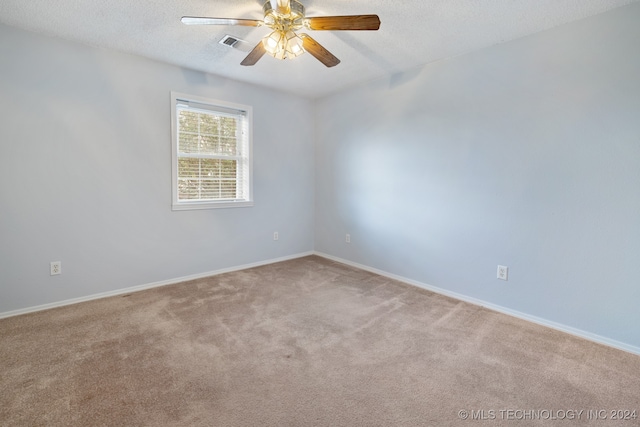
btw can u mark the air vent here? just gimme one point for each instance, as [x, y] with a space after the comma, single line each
[229, 40]
[236, 43]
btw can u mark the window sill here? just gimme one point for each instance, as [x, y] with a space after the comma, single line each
[186, 206]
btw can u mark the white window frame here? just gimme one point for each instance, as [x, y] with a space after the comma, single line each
[179, 101]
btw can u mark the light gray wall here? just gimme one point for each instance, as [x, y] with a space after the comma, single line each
[526, 154]
[85, 174]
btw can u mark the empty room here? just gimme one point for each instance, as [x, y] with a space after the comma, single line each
[319, 213]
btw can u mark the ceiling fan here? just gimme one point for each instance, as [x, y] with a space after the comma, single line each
[285, 17]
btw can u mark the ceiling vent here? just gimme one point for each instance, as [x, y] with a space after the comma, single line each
[235, 43]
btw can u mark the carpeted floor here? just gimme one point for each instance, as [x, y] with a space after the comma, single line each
[307, 342]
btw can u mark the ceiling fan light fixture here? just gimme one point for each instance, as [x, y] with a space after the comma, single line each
[283, 45]
[285, 17]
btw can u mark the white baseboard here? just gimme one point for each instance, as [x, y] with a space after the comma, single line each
[534, 319]
[538, 320]
[148, 286]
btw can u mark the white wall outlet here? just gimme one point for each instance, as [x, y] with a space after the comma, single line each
[275, 235]
[347, 238]
[56, 268]
[503, 272]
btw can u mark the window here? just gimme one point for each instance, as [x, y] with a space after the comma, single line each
[211, 143]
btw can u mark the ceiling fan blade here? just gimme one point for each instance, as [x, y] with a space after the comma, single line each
[352, 22]
[195, 20]
[281, 6]
[315, 49]
[255, 55]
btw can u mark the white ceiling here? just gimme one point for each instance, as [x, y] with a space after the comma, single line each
[412, 33]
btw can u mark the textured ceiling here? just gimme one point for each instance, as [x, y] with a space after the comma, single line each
[413, 33]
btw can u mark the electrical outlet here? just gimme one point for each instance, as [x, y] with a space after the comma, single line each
[56, 268]
[503, 272]
[275, 235]
[347, 238]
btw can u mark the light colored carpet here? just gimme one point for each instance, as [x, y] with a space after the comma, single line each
[307, 342]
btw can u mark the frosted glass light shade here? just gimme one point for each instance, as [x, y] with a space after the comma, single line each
[293, 45]
[274, 44]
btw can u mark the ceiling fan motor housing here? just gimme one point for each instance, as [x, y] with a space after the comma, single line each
[284, 20]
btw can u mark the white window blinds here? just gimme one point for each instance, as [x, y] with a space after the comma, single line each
[212, 162]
